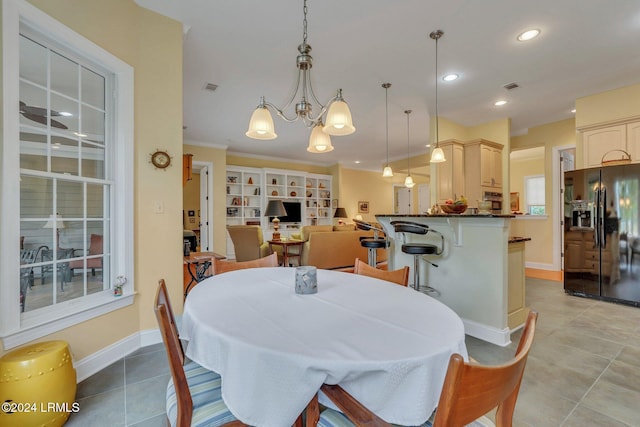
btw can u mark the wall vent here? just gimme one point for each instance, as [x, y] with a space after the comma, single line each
[510, 86]
[210, 86]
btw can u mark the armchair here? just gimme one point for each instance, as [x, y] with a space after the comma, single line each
[248, 242]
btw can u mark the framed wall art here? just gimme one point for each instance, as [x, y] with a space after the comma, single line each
[363, 207]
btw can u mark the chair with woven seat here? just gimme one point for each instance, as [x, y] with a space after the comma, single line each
[193, 392]
[221, 266]
[418, 249]
[469, 392]
[248, 242]
[371, 243]
[400, 276]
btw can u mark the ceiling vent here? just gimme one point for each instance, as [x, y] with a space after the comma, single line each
[211, 87]
[510, 86]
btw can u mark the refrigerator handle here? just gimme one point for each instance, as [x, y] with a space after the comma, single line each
[596, 224]
[602, 218]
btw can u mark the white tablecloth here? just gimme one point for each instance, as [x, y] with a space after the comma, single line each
[387, 345]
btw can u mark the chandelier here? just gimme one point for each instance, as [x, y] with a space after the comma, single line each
[437, 155]
[337, 120]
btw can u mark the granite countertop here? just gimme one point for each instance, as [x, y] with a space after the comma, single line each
[441, 215]
[515, 239]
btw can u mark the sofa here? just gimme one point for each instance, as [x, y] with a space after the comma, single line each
[334, 247]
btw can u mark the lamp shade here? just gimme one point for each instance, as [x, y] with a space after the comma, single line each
[261, 125]
[387, 172]
[408, 182]
[54, 221]
[340, 213]
[319, 142]
[275, 208]
[437, 156]
[339, 119]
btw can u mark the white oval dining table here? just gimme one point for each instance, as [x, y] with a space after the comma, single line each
[387, 345]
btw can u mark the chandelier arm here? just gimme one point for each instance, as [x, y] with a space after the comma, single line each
[280, 113]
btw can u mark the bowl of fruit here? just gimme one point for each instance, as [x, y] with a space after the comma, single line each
[454, 207]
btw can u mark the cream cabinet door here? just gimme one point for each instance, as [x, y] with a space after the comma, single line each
[451, 173]
[633, 141]
[491, 166]
[596, 143]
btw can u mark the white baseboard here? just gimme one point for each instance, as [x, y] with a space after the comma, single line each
[540, 266]
[116, 351]
[501, 337]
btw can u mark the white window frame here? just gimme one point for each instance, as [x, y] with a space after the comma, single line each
[18, 328]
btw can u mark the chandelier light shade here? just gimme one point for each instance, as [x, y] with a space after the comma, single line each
[319, 142]
[408, 181]
[387, 172]
[261, 123]
[335, 114]
[437, 155]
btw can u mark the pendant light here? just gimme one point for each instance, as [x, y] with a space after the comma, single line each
[437, 155]
[408, 181]
[387, 172]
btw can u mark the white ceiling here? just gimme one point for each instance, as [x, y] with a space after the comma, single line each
[249, 47]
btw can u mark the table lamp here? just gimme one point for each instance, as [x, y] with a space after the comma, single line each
[340, 213]
[275, 208]
[55, 221]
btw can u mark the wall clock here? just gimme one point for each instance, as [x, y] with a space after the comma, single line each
[161, 159]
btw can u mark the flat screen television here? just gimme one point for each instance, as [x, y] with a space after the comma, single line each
[294, 212]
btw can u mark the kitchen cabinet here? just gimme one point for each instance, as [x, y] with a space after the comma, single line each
[451, 174]
[483, 169]
[596, 143]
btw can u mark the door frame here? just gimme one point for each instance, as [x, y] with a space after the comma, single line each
[558, 205]
[208, 204]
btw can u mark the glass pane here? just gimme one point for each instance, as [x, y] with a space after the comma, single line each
[36, 197]
[92, 161]
[70, 204]
[64, 75]
[33, 151]
[33, 61]
[65, 114]
[93, 124]
[92, 88]
[33, 106]
[64, 155]
[96, 206]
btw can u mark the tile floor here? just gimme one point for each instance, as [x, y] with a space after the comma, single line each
[584, 370]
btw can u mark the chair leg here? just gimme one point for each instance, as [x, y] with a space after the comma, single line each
[416, 272]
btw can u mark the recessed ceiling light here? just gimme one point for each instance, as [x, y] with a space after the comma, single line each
[357, 162]
[450, 77]
[500, 103]
[573, 111]
[528, 35]
[427, 145]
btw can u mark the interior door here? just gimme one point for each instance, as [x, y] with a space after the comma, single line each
[403, 199]
[424, 197]
[204, 210]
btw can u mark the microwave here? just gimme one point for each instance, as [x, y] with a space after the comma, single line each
[495, 199]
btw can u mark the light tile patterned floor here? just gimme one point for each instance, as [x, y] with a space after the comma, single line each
[584, 370]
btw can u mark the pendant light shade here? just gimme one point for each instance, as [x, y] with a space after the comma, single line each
[339, 121]
[387, 172]
[437, 155]
[319, 142]
[408, 181]
[261, 123]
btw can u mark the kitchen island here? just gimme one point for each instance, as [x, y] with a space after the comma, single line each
[472, 276]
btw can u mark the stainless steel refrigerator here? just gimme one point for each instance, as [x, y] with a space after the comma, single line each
[601, 233]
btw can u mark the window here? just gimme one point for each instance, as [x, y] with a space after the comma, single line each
[68, 144]
[534, 194]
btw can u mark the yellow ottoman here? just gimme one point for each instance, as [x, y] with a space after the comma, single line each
[37, 385]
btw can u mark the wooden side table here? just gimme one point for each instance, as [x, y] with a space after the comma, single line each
[197, 267]
[286, 245]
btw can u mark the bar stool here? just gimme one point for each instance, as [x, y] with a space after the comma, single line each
[371, 243]
[418, 250]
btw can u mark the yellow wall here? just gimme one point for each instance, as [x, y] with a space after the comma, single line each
[152, 45]
[608, 106]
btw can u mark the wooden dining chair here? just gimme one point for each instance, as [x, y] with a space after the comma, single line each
[470, 391]
[193, 393]
[400, 276]
[220, 266]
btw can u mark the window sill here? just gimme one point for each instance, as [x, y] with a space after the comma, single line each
[532, 217]
[41, 324]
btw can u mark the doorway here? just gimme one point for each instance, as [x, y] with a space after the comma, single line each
[198, 202]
